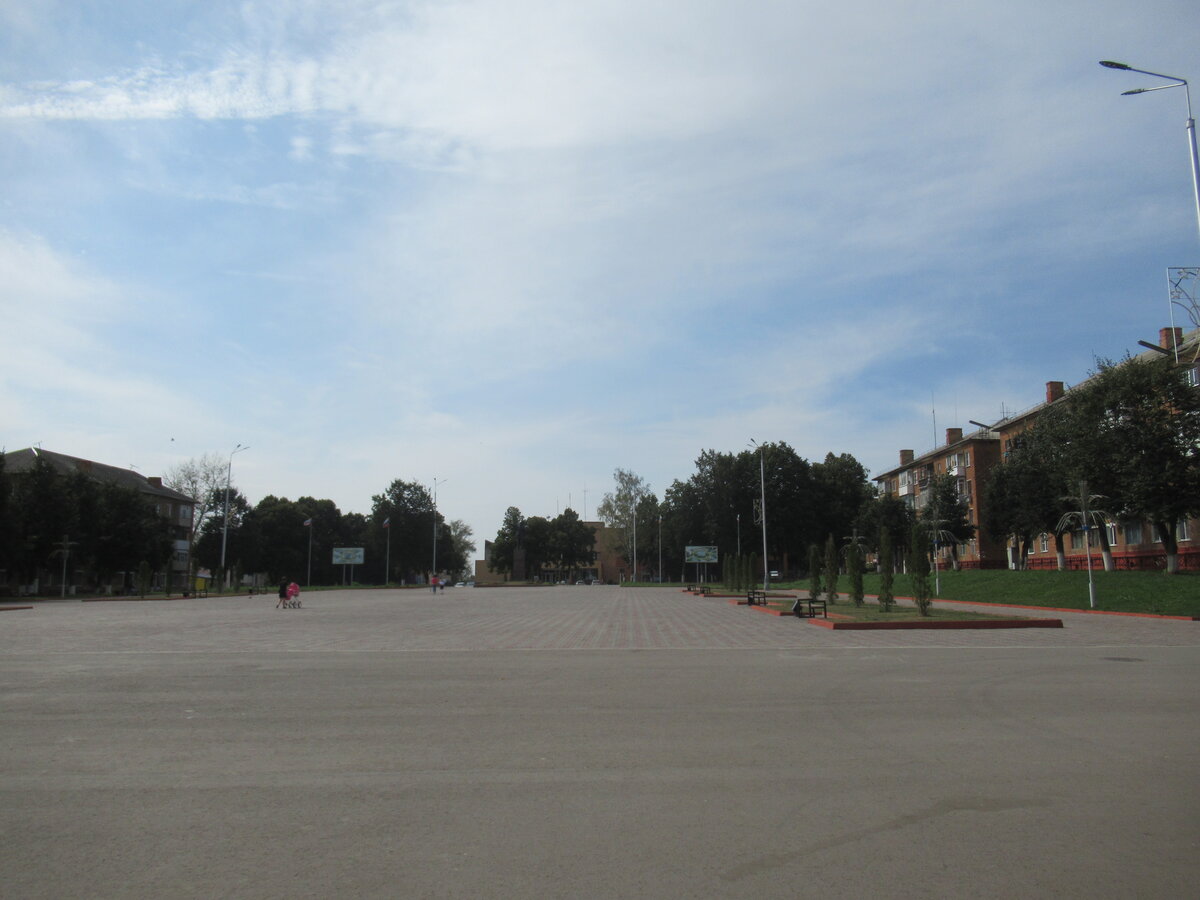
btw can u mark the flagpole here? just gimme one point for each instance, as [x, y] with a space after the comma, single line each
[387, 566]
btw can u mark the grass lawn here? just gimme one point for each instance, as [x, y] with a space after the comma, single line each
[1144, 592]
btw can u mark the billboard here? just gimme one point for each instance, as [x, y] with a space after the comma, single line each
[700, 554]
[347, 556]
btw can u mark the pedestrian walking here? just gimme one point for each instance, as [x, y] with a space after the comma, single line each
[283, 593]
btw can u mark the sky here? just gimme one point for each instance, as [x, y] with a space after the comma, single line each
[513, 246]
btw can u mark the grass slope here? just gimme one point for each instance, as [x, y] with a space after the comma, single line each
[1143, 592]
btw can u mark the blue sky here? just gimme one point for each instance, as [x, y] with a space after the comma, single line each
[518, 244]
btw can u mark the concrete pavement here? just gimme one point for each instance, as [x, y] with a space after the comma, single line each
[586, 741]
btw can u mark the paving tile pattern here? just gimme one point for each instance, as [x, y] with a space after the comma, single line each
[464, 619]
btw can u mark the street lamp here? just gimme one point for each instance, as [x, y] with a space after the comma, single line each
[1191, 122]
[225, 530]
[433, 571]
[660, 548]
[762, 482]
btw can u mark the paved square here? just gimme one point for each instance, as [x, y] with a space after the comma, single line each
[582, 741]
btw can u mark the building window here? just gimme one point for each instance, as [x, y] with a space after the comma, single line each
[1112, 533]
[1076, 540]
[185, 514]
[1133, 532]
[1181, 531]
[1044, 542]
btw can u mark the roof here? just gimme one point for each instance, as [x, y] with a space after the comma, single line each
[23, 461]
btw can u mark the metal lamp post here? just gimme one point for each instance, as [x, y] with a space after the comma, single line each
[660, 549]
[225, 530]
[433, 571]
[762, 482]
[1191, 122]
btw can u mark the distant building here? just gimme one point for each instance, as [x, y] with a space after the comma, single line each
[175, 508]
[606, 564]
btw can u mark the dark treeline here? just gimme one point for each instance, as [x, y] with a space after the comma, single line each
[50, 521]
[272, 539]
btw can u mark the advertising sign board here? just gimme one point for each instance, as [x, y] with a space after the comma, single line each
[700, 554]
[347, 556]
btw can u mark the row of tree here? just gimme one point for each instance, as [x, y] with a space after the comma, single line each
[558, 547]
[278, 537]
[50, 519]
[1131, 433]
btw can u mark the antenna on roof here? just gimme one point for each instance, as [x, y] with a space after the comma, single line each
[933, 408]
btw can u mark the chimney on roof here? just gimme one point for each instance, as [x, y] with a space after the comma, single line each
[1054, 390]
[953, 436]
[906, 457]
[155, 480]
[1169, 338]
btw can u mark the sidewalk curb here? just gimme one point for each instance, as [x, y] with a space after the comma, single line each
[1064, 609]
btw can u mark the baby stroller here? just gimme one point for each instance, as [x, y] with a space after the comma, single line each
[293, 596]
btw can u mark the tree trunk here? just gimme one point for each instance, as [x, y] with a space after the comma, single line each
[1060, 551]
[1106, 550]
[1166, 533]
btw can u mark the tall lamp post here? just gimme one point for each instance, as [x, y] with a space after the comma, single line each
[225, 530]
[762, 482]
[433, 571]
[1191, 122]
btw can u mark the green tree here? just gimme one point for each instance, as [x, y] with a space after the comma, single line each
[831, 569]
[125, 529]
[207, 549]
[842, 490]
[814, 571]
[462, 547]
[918, 568]
[1132, 431]
[854, 568]
[1021, 499]
[887, 570]
[409, 506]
[505, 544]
[885, 513]
[947, 515]
[570, 543]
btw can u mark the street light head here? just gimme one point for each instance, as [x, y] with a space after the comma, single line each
[1134, 91]
[1109, 64]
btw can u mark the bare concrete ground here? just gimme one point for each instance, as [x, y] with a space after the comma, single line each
[587, 741]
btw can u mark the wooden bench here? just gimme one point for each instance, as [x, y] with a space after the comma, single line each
[703, 590]
[806, 608]
[756, 598]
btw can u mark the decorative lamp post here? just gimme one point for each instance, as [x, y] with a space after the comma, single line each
[1176, 81]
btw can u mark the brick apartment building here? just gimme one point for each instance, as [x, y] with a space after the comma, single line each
[970, 459]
